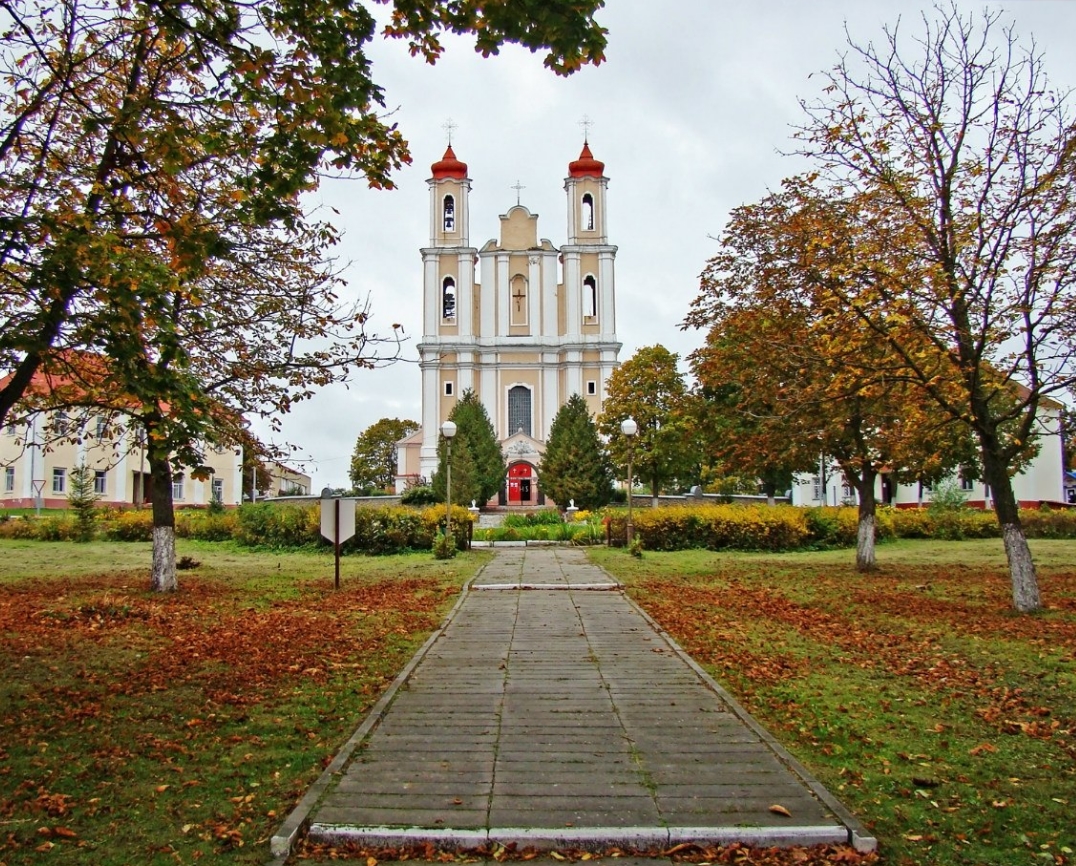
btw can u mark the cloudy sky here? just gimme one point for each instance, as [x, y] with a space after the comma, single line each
[691, 113]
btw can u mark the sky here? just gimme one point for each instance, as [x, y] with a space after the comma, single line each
[692, 114]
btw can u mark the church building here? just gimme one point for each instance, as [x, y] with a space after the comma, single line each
[522, 323]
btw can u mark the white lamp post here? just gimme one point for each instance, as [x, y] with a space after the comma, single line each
[448, 430]
[629, 428]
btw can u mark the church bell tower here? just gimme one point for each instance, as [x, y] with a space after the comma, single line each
[535, 327]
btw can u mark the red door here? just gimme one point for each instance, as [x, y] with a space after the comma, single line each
[519, 483]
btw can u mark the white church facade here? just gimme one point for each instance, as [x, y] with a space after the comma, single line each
[522, 323]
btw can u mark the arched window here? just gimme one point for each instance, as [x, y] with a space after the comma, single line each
[590, 296]
[450, 214]
[588, 212]
[519, 410]
[448, 298]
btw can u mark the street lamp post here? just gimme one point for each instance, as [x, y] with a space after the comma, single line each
[629, 428]
[448, 430]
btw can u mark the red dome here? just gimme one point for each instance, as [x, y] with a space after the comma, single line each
[449, 166]
[586, 165]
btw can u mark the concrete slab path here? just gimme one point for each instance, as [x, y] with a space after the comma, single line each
[550, 711]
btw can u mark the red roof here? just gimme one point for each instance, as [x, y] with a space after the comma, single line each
[586, 165]
[449, 166]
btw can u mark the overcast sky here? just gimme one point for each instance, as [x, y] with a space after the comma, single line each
[691, 113]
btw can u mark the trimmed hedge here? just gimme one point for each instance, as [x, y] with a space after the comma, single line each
[716, 527]
[785, 527]
[389, 529]
[395, 528]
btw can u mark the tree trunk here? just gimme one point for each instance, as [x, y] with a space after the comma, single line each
[1025, 585]
[865, 559]
[163, 578]
[771, 492]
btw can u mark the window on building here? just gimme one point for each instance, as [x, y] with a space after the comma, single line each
[967, 480]
[588, 212]
[100, 481]
[59, 480]
[519, 410]
[448, 389]
[9, 479]
[450, 214]
[101, 427]
[177, 486]
[448, 298]
[61, 423]
[816, 494]
[218, 489]
[590, 296]
[592, 388]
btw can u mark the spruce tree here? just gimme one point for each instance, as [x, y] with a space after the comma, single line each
[82, 499]
[477, 461]
[576, 465]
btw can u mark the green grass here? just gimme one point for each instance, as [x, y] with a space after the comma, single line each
[945, 721]
[143, 729]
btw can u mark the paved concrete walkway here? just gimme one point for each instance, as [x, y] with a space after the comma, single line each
[550, 711]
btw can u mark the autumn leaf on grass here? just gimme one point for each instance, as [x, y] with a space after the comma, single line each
[778, 809]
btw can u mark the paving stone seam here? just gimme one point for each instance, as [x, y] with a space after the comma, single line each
[858, 836]
[281, 843]
[500, 716]
[640, 771]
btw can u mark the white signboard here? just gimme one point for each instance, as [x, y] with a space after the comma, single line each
[330, 508]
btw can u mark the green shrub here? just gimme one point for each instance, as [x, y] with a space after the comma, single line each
[129, 526]
[1047, 523]
[23, 526]
[288, 526]
[717, 527]
[545, 517]
[420, 494]
[444, 547]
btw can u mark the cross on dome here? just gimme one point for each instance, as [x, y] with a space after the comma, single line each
[518, 188]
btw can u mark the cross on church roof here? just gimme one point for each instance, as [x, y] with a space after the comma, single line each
[518, 188]
[449, 126]
[586, 123]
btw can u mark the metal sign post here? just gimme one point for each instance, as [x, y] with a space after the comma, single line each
[337, 523]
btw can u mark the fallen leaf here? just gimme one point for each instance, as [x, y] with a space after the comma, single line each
[778, 809]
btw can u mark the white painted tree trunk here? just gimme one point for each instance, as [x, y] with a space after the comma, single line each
[1025, 585]
[865, 558]
[164, 559]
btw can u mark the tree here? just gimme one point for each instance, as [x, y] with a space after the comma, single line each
[649, 388]
[152, 160]
[803, 380]
[575, 464]
[82, 497]
[477, 461]
[968, 157]
[373, 462]
[116, 115]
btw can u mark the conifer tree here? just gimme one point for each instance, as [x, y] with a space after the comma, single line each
[575, 465]
[475, 451]
[83, 500]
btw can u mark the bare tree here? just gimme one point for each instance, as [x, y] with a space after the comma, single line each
[967, 153]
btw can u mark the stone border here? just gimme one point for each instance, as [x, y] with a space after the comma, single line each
[592, 839]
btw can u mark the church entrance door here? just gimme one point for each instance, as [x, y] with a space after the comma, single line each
[520, 484]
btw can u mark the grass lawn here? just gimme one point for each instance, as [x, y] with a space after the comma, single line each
[145, 729]
[945, 721]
